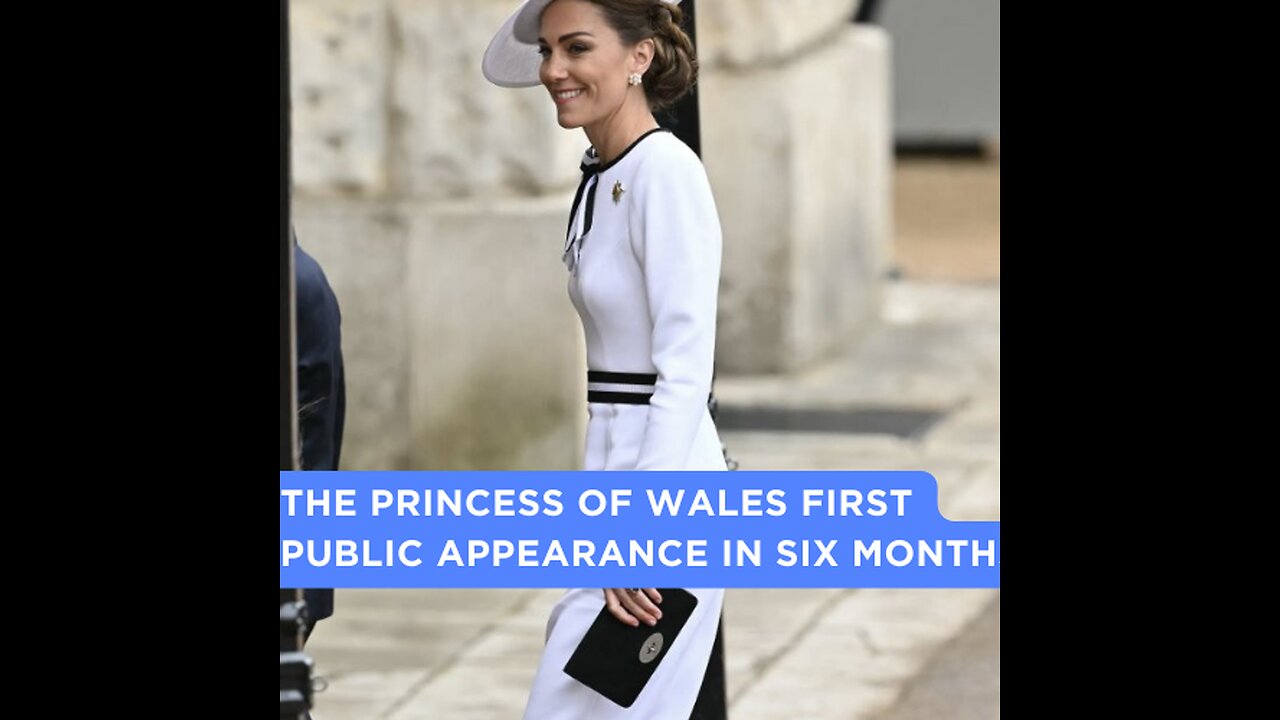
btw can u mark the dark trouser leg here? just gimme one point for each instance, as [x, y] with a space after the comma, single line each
[306, 635]
[712, 704]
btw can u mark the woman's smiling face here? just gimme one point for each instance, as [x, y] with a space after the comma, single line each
[584, 63]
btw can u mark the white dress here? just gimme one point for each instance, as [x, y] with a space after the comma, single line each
[644, 280]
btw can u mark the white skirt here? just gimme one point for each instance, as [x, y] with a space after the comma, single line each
[616, 432]
[669, 694]
[613, 443]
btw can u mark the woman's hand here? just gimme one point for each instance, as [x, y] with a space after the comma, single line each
[634, 605]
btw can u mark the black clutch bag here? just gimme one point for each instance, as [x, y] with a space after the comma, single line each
[617, 660]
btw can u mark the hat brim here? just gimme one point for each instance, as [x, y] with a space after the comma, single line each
[512, 58]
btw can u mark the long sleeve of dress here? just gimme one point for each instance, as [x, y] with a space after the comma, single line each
[677, 237]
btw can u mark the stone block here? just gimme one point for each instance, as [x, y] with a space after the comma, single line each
[361, 246]
[498, 378]
[802, 182]
[745, 33]
[463, 351]
[339, 62]
[461, 136]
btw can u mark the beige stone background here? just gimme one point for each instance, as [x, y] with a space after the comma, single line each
[436, 201]
[436, 204]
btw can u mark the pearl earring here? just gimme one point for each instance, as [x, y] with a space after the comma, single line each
[633, 79]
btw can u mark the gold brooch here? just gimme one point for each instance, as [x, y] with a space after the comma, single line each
[617, 190]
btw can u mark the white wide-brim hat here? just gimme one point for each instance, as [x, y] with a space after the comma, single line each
[512, 58]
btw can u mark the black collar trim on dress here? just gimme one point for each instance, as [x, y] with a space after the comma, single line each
[623, 154]
[591, 168]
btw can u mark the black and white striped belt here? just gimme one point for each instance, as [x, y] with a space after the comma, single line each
[623, 388]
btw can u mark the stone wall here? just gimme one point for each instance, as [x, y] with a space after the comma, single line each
[795, 112]
[436, 204]
[463, 351]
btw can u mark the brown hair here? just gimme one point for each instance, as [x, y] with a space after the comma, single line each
[674, 68]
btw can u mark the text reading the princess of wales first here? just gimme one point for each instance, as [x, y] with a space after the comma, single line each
[448, 532]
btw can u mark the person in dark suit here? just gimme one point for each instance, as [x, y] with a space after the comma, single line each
[322, 397]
